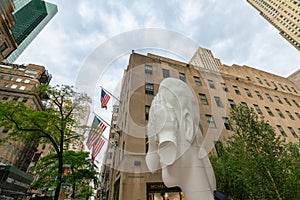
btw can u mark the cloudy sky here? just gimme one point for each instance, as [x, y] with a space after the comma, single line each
[232, 29]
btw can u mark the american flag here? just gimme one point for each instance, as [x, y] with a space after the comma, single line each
[104, 99]
[98, 127]
[99, 143]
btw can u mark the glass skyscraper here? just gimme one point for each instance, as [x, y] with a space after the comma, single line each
[31, 16]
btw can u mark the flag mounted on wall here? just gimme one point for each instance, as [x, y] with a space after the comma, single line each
[98, 127]
[104, 99]
[98, 144]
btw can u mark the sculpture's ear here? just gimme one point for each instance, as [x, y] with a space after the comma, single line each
[188, 126]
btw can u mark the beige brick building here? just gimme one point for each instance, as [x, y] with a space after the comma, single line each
[217, 90]
[16, 82]
[284, 15]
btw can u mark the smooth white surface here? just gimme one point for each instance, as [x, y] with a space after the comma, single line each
[175, 141]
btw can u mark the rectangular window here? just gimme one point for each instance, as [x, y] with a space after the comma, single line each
[258, 80]
[248, 78]
[269, 111]
[25, 99]
[18, 80]
[219, 102]
[147, 109]
[258, 95]
[298, 115]
[224, 87]
[16, 98]
[166, 73]
[148, 69]
[280, 113]
[278, 99]
[226, 123]
[3, 47]
[287, 101]
[267, 82]
[5, 97]
[290, 115]
[203, 99]
[231, 103]
[211, 84]
[275, 86]
[293, 132]
[182, 76]
[294, 90]
[197, 81]
[149, 88]
[281, 131]
[27, 81]
[281, 86]
[269, 97]
[295, 102]
[287, 87]
[258, 110]
[236, 89]
[13, 86]
[244, 104]
[248, 92]
[210, 121]
[22, 87]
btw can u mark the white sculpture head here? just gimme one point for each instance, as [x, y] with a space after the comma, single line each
[175, 137]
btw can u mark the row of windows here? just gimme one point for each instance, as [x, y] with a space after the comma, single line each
[211, 123]
[166, 74]
[14, 98]
[18, 79]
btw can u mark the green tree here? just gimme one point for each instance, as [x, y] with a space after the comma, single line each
[53, 125]
[255, 163]
[78, 171]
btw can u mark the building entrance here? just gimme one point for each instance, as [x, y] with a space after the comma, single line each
[158, 191]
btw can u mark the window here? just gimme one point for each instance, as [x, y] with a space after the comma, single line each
[269, 111]
[13, 86]
[267, 82]
[231, 103]
[280, 113]
[248, 92]
[236, 89]
[18, 80]
[5, 97]
[148, 69]
[25, 99]
[281, 131]
[203, 99]
[295, 102]
[147, 109]
[294, 90]
[269, 97]
[166, 73]
[293, 132]
[210, 121]
[244, 104]
[281, 86]
[278, 99]
[226, 123]
[211, 84]
[219, 102]
[27, 81]
[287, 87]
[258, 95]
[258, 110]
[248, 78]
[3, 47]
[16, 98]
[197, 81]
[182, 76]
[22, 87]
[287, 101]
[290, 115]
[298, 115]
[224, 87]
[258, 80]
[275, 86]
[149, 89]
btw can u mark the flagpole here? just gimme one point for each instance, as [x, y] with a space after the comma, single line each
[110, 93]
